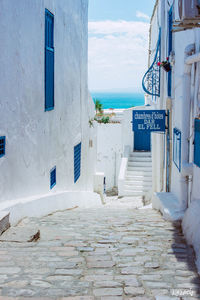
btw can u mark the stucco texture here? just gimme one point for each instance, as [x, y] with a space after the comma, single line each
[36, 140]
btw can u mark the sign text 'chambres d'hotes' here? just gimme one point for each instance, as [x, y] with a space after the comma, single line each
[149, 120]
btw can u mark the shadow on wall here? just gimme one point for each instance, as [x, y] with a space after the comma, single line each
[183, 256]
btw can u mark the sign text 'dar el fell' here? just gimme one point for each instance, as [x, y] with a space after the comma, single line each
[149, 120]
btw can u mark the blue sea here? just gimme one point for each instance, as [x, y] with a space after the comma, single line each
[118, 100]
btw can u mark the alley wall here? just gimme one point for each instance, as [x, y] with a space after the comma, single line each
[38, 140]
[109, 152]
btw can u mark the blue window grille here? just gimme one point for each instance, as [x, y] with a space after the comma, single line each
[77, 162]
[197, 143]
[2, 145]
[177, 148]
[53, 177]
[151, 79]
[170, 40]
[49, 60]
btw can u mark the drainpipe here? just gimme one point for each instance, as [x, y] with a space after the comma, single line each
[187, 168]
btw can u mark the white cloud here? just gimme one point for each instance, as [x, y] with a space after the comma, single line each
[118, 52]
[140, 14]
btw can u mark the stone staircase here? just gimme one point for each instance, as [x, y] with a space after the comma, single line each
[138, 178]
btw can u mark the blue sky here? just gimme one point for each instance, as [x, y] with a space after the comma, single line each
[118, 43]
[118, 9]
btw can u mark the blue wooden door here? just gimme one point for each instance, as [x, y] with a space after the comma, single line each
[142, 141]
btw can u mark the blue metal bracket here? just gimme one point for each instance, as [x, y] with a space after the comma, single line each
[151, 79]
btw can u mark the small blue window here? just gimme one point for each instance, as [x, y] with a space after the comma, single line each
[170, 46]
[177, 148]
[49, 60]
[77, 162]
[53, 177]
[197, 143]
[2, 145]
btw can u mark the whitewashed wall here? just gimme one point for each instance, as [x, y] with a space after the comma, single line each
[109, 152]
[183, 116]
[36, 140]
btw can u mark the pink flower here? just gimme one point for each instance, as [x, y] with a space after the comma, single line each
[159, 64]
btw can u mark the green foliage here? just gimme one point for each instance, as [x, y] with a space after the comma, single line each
[91, 123]
[105, 120]
[98, 106]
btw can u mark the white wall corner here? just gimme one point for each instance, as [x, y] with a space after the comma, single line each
[122, 174]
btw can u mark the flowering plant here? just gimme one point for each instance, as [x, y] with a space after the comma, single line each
[165, 64]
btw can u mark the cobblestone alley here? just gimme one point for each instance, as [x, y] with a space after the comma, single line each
[113, 252]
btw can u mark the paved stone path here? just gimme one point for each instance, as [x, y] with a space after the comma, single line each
[106, 253]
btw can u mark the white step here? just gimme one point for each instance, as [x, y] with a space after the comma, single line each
[139, 169]
[137, 188]
[140, 154]
[143, 173]
[138, 183]
[139, 178]
[135, 194]
[140, 159]
[147, 164]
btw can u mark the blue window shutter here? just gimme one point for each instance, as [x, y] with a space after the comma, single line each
[77, 162]
[2, 145]
[177, 148]
[197, 143]
[49, 60]
[170, 24]
[53, 177]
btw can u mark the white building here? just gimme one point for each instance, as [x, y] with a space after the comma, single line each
[47, 148]
[174, 33]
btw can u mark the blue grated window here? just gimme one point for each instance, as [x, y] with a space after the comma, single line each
[53, 177]
[177, 148]
[2, 145]
[49, 60]
[197, 143]
[170, 40]
[77, 162]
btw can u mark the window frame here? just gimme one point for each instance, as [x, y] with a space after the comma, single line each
[177, 150]
[170, 47]
[3, 138]
[197, 142]
[52, 175]
[49, 48]
[77, 161]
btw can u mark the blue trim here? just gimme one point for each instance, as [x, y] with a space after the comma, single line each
[2, 146]
[49, 108]
[77, 162]
[168, 152]
[177, 148]
[48, 12]
[152, 76]
[49, 49]
[52, 177]
[49, 60]
[170, 46]
[197, 143]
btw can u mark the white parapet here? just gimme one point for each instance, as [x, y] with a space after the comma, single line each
[99, 185]
[42, 205]
[168, 205]
[122, 174]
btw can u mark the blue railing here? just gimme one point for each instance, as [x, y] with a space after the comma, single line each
[151, 79]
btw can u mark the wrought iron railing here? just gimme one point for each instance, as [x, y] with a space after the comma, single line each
[151, 79]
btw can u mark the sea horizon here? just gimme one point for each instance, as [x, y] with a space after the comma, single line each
[118, 100]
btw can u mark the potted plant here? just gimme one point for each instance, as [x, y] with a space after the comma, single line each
[165, 65]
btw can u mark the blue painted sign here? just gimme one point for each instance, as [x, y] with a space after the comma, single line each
[149, 120]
